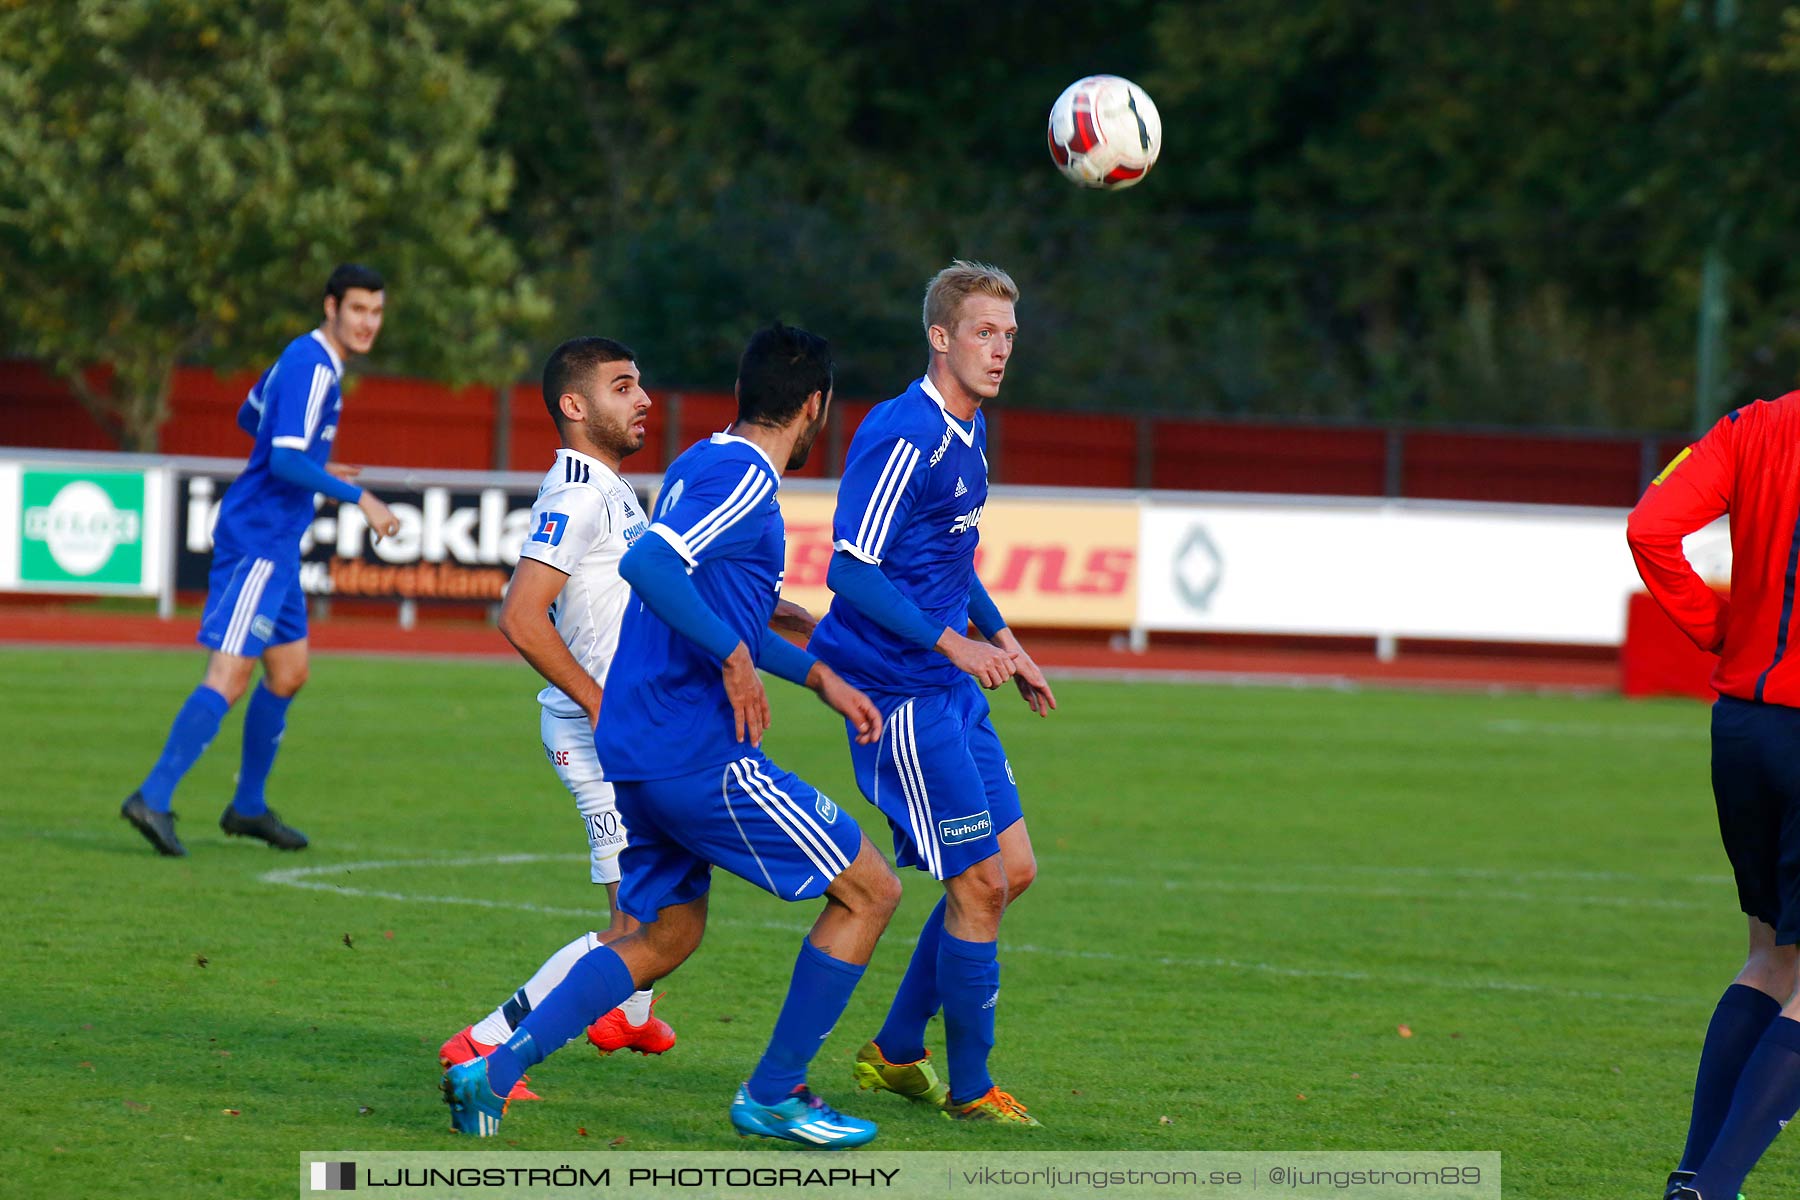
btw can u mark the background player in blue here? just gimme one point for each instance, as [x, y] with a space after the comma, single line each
[254, 606]
[908, 514]
[680, 734]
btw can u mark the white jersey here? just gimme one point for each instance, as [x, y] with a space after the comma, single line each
[584, 520]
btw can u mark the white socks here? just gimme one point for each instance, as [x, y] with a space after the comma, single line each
[498, 1025]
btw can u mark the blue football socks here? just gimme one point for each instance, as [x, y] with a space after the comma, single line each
[193, 731]
[264, 720]
[1767, 1097]
[596, 984]
[902, 1036]
[969, 981]
[1743, 1013]
[816, 998]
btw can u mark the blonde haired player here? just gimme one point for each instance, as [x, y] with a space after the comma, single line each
[562, 613]
[907, 523]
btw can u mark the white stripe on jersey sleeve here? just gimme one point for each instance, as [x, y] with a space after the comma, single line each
[854, 551]
[880, 489]
[676, 540]
[315, 399]
[750, 492]
[897, 491]
[871, 535]
[749, 504]
[289, 443]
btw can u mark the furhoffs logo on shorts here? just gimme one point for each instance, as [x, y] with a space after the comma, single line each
[952, 830]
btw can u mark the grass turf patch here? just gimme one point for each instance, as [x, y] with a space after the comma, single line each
[1244, 895]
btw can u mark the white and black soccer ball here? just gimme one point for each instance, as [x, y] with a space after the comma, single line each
[1104, 132]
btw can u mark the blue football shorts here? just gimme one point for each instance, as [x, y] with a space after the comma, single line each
[940, 777]
[748, 816]
[252, 604]
[1756, 787]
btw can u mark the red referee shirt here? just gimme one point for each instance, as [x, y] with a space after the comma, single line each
[1747, 465]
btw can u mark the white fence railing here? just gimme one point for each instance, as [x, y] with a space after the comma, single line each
[1080, 558]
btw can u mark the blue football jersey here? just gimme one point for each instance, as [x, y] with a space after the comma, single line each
[665, 712]
[910, 502]
[298, 399]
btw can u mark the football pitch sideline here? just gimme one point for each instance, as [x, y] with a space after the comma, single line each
[1265, 919]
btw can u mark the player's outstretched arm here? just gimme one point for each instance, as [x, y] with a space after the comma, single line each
[525, 622]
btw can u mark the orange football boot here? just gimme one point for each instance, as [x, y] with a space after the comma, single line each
[462, 1047]
[992, 1105]
[613, 1032]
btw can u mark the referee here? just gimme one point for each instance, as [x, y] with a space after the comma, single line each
[1748, 465]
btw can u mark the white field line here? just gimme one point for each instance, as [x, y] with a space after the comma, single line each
[317, 879]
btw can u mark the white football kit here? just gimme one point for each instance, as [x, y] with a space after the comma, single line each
[584, 520]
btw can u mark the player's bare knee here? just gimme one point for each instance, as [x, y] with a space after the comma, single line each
[229, 676]
[990, 898]
[287, 681]
[868, 887]
[1772, 969]
[1019, 876]
[978, 895]
[884, 892]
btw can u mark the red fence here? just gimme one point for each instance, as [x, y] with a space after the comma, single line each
[409, 422]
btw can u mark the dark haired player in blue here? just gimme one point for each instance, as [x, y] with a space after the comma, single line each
[680, 734]
[907, 520]
[254, 606]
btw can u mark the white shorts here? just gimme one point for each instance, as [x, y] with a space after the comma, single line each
[569, 745]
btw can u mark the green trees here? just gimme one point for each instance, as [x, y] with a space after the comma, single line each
[1492, 212]
[176, 181]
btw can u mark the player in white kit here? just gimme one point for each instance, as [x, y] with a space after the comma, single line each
[562, 613]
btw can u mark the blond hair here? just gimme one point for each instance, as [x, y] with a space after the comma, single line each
[954, 284]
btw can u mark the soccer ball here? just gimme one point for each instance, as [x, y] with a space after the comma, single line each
[1104, 132]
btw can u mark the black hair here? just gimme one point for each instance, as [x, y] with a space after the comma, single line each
[572, 365]
[780, 368]
[345, 276]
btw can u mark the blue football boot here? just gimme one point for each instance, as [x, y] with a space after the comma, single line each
[801, 1117]
[474, 1109]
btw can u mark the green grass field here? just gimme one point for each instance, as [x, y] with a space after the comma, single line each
[1244, 894]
